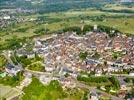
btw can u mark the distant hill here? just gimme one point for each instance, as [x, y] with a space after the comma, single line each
[127, 1]
[54, 5]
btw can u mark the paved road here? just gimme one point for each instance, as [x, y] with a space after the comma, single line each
[121, 75]
[37, 73]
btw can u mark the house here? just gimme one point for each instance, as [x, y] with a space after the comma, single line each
[95, 27]
[98, 73]
[12, 70]
[123, 85]
[122, 94]
[38, 43]
[117, 47]
[28, 54]
[6, 17]
[45, 79]
[49, 69]
[68, 82]
[131, 73]
[93, 96]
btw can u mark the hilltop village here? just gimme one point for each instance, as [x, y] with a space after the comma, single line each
[94, 60]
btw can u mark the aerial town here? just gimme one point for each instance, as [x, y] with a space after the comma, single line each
[69, 58]
[66, 49]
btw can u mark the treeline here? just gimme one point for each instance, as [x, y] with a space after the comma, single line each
[79, 30]
[41, 31]
[115, 82]
[22, 29]
[97, 81]
[129, 80]
[118, 11]
[109, 30]
[100, 81]
[55, 5]
[87, 28]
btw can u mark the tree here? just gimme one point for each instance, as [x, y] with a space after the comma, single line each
[73, 29]
[96, 55]
[105, 63]
[41, 31]
[87, 28]
[115, 82]
[3, 60]
[108, 30]
[83, 55]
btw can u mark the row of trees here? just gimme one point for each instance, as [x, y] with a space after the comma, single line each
[94, 80]
[129, 80]
[101, 81]
[22, 29]
[78, 30]
[109, 30]
[41, 31]
[115, 82]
